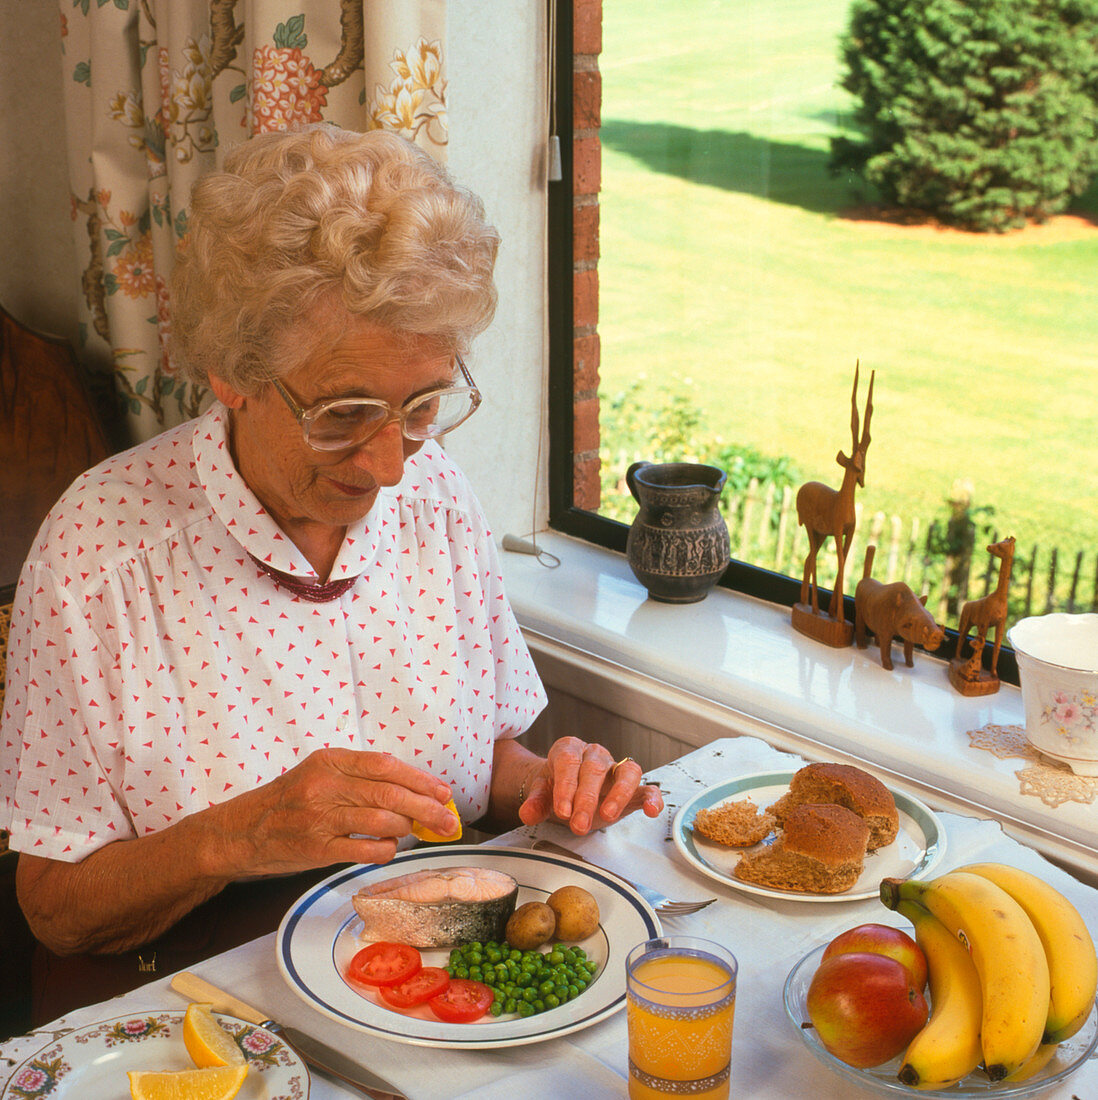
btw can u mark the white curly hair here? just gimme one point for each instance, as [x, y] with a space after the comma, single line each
[298, 224]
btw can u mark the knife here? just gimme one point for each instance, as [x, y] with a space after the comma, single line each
[322, 1058]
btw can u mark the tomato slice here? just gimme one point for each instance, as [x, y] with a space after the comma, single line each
[462, 1001]
[426, 983]
[384, 964]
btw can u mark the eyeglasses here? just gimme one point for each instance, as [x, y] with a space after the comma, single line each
[349, 422]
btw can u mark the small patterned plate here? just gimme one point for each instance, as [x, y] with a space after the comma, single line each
[94, 1060]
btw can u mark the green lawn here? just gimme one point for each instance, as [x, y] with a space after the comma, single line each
[725, 262]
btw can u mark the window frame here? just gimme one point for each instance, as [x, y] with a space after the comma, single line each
[564, 515]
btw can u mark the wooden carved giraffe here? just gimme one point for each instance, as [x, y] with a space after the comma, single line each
[984, 614]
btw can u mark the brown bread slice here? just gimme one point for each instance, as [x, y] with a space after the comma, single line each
[738, 824]
[821, 850]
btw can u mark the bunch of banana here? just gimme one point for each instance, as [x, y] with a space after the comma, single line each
[1072, 964]
[948, 1047]
[1024, 980]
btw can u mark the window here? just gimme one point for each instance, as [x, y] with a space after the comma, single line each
[712, 283]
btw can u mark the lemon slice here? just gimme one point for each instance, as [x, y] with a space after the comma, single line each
[421, 831]
[207, 1042]
[211, 1083]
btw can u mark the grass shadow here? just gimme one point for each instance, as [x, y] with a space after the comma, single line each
[778, 171]
[781, 172]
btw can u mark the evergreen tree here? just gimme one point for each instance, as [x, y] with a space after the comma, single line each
[982, 113]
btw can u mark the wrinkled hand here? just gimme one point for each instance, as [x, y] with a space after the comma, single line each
[580, 786]
[337, 806]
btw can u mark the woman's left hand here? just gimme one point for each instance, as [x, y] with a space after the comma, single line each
[580, 785]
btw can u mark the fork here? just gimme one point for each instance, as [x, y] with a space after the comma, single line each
[661, 903]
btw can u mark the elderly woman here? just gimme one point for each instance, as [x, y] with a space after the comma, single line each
[273, 638]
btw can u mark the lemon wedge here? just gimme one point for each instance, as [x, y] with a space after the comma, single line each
[211, 1083]
[207, 1042]
[420, 830]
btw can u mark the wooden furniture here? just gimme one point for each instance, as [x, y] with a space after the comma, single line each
[49, 433]
[17, 938]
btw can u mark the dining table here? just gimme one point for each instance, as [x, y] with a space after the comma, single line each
[767, 934]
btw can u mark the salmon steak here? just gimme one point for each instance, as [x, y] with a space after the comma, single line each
[437, 908]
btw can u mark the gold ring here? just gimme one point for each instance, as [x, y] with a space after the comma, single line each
[623, 760]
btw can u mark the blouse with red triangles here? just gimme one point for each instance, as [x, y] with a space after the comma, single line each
[157, 665]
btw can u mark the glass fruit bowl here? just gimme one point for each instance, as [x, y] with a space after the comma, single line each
[1070, 1055]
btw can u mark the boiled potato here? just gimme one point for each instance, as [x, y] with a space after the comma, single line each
[577, 913]
[530, 926]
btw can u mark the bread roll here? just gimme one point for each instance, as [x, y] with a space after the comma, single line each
[847, 786]
[821, 850]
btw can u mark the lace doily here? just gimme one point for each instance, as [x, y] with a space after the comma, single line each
[1050, 781]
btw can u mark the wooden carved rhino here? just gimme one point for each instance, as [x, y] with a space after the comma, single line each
[889, 611]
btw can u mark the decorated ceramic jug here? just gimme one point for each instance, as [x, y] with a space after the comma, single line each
[678, 544]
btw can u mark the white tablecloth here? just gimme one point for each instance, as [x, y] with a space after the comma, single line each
[767, 938]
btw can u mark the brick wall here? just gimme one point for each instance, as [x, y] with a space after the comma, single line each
[586, 181]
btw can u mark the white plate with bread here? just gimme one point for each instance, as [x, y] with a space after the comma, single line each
[827, 832]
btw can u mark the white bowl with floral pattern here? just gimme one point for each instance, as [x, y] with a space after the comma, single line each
[1058, 668]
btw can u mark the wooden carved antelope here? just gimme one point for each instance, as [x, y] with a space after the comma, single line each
[983, 615]
[824, 511]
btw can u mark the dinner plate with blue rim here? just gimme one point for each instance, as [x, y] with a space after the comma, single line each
[318, 937]
[93, 1061]
[918, 848]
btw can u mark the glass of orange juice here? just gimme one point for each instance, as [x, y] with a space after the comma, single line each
[680, 1000]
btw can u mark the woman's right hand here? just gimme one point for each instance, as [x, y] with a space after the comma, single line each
[336, 806]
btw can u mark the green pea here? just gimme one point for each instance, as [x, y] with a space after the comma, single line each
[524, 981]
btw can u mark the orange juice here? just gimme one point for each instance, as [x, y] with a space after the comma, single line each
[680, 1005]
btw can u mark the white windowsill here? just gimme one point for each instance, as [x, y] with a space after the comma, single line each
[732, 664]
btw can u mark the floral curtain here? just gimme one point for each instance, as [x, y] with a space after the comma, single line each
[157, 90]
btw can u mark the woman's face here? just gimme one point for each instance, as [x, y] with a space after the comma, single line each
[301, 486]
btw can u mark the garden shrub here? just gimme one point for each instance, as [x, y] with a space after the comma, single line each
[981, 113]
[954, 544]
[640, 423]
